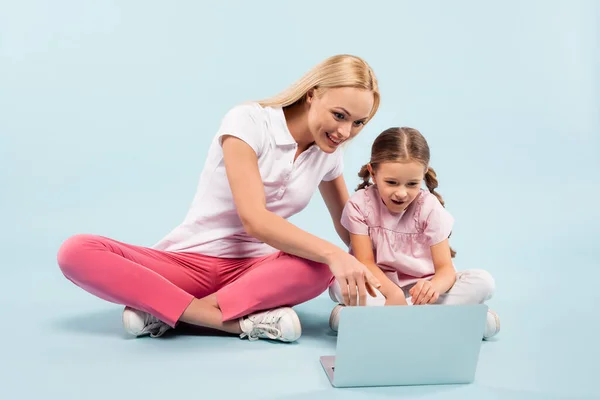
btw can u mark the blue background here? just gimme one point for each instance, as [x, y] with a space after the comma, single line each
[106, 113]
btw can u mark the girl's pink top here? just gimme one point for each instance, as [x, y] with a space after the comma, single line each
[401, 242]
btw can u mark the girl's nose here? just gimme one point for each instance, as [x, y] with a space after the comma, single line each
[401, 194]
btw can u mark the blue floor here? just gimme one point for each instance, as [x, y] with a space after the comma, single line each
[59, 342]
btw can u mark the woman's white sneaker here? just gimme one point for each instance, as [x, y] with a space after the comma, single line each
[279, 324]
[492, 325]
[140, 323]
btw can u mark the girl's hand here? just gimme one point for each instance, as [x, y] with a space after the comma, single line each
[395, 297]
[354, 278]
[423, 292]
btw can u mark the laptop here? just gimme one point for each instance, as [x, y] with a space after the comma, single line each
[400, 345]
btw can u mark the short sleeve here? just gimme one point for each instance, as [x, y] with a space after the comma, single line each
[338, 167]
[353, 215]
[244, 122]
[438, 221]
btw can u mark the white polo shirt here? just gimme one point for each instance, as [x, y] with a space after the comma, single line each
[212, 225]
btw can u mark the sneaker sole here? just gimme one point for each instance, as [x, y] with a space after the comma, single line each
[297, 327]
[497, 321]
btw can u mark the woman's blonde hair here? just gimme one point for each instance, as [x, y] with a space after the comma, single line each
[341, 70]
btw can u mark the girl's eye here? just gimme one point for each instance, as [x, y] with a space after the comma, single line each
[390, 182]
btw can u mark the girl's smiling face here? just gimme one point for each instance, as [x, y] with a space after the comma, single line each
[398, 183]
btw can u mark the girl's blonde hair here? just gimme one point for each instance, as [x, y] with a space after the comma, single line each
[401, 145]
[341, 70]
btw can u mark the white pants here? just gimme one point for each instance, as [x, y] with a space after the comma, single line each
[472, 286]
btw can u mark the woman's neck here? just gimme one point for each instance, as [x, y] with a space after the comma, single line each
[296, 118]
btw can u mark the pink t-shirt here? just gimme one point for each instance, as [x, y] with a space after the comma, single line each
[401, 242]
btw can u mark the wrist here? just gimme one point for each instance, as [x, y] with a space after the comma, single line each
[442, 282]
[391, 290]
[331, 253]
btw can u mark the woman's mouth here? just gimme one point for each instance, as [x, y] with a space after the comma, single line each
[333, 141]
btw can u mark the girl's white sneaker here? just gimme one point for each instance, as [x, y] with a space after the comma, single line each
[492, 325]
[334, 318]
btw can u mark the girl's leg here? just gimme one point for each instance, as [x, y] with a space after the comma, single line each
[472, 286]
[159, 283]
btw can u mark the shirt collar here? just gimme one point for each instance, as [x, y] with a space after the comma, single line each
[283, 136]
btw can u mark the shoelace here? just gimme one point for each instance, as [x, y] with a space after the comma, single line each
[265, 327]
[262, 330]
[154, 326]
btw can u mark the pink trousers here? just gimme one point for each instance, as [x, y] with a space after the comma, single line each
[164, 283]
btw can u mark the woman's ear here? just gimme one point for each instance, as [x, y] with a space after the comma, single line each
[310, 95]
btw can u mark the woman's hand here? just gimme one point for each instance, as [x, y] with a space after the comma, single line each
[354, 278]
[423, 292]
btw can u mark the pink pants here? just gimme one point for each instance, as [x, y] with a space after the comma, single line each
[164, 283]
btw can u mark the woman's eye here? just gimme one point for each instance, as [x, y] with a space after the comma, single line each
[338, 115]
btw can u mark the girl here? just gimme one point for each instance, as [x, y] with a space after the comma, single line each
[235, 263]
[400, 232]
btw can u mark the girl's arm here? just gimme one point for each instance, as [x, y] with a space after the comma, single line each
[335, 195]
[241, 165]
[445, 274]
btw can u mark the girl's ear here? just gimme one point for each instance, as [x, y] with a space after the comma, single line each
[370, 168]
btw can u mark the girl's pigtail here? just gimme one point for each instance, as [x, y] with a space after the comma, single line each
[432, 183]
[365, 175]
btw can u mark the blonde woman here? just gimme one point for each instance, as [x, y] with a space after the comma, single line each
[235, 263]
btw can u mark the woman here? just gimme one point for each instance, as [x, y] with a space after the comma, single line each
[235, 263]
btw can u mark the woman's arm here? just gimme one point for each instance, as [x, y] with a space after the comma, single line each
[335, 194]
[248, 193]
[362, 248]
